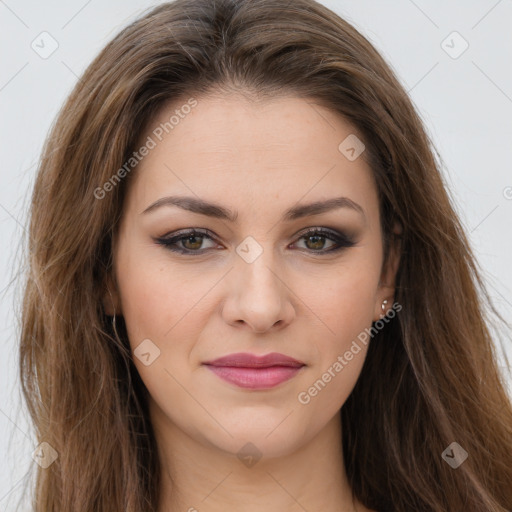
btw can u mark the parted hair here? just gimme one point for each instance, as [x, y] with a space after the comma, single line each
[430, 377]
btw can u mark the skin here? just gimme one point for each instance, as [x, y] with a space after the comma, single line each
[258, 158]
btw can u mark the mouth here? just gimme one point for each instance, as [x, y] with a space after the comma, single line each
[255, 372]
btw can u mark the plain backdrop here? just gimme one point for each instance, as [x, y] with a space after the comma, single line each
[452, 57]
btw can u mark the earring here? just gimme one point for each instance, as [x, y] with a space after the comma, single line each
[383, 307]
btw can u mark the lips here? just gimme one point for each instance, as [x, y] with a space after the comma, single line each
[255, 372]
[247, 360]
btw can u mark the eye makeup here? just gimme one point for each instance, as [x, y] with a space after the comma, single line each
[195, 236]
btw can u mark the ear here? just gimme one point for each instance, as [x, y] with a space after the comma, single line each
[387, 282]
[111, 300]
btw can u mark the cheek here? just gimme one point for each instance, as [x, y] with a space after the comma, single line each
[144, 308]
[159, 305]
[343, 299]
[156, 301]
[345, 305]
[346, 308]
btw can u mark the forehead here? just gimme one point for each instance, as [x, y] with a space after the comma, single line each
[248, 154]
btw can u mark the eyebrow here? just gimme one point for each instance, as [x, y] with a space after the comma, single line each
[217, 211]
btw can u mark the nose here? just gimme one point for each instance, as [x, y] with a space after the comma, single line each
[258, 296]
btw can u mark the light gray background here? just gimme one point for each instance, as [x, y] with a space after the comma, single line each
[465, 102]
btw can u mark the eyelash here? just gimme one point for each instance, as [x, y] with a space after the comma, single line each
[343, 241]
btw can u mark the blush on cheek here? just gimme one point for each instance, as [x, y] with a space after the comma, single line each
[348, 317]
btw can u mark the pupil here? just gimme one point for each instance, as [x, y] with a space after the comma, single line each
[192, 237]
[318, 239]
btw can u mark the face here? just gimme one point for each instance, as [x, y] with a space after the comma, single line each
[253, 278]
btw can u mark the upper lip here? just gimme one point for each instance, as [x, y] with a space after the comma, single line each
[247, 360]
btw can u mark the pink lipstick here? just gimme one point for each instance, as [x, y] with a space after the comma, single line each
[255, 372]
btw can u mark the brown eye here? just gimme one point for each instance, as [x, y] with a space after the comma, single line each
[192, 242]
[315, 240]
[186, 243]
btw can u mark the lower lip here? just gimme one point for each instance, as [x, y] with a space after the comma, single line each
[255, 378]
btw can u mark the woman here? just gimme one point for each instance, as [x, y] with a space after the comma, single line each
[248, 286]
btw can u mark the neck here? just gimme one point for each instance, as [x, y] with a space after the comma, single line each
[198, 476]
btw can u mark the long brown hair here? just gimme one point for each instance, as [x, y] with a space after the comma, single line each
[430, 377]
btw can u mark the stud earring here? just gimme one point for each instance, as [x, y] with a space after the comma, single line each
[383, 307]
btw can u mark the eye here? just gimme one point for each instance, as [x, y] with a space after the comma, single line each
[190, 242]
[315, 239]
